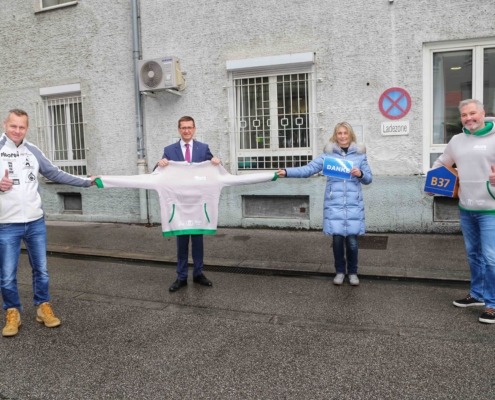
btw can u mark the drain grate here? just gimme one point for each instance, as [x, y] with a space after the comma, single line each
[373, 242]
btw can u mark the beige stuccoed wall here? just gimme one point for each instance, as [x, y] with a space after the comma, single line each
[361, 48]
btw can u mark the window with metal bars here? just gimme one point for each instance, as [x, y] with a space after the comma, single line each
[60, 125]
[273, 121]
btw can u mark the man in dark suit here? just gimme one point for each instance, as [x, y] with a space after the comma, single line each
[187, 149]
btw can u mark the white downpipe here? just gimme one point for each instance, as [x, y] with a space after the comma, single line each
[142, 164]
[143, 193]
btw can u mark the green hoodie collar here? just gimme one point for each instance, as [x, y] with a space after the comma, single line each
[480, 132]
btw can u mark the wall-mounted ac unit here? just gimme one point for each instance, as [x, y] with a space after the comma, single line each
[160, 74]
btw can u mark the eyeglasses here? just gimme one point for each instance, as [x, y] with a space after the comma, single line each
[186, 128]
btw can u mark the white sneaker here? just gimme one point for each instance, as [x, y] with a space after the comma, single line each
[353, 280]
[339, 279]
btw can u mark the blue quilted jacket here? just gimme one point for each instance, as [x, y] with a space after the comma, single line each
[343, 212]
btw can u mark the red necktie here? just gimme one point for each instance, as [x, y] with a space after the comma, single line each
[188, 153]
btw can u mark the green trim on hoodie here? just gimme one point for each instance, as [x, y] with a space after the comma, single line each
[490, 212]
[480, 132]
[206, 213]
[190, 232]
[488, 189]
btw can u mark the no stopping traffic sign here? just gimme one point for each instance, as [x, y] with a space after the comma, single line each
[394, 103]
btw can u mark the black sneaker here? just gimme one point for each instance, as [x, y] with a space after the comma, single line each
[468, 301]
[488, 316]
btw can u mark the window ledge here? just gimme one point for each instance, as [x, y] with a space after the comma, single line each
[295, 59]
[38, 9]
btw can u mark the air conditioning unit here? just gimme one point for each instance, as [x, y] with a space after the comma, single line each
[160, 74]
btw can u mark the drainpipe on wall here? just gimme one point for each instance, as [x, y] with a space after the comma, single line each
[141, 162]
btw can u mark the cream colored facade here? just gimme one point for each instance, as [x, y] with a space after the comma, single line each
[359, 49]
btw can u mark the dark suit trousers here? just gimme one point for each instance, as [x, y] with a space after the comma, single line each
[183, 254]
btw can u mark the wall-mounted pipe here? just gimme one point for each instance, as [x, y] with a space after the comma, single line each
[141, 154]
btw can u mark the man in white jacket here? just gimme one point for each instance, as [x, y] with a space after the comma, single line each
[22, 219]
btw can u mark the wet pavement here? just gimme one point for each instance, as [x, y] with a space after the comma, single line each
[273, 326]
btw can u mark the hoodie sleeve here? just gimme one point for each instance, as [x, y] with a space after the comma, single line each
[246, 179]
[148, 181]
[444, 159]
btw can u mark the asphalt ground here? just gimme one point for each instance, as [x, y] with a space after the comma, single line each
[273, 326]
[250, 336]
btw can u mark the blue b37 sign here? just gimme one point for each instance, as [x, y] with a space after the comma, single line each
[337, 168]
[442, 181]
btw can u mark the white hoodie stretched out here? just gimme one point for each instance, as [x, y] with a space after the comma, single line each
[188, 193]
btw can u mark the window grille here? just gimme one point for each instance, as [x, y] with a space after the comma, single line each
[273, 124]
[60, 126]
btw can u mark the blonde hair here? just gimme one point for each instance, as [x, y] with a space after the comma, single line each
[349, 129]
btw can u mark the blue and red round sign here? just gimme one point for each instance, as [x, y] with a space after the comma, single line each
[394, 103]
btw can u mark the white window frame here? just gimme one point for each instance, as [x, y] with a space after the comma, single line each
[477, 46]
[38, 5]
[60, 95]
[271, 67]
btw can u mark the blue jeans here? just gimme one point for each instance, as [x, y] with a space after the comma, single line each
[345, 247]
[479, 238]
[34, 236]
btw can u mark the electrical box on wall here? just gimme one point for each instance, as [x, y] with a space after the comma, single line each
[160, 74]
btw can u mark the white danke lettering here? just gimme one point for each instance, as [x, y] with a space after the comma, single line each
[338, 169]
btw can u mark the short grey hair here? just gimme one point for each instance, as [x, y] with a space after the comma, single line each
[478, 103]
[19, 112]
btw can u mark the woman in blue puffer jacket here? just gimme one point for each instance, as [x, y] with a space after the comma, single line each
[343, 215]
